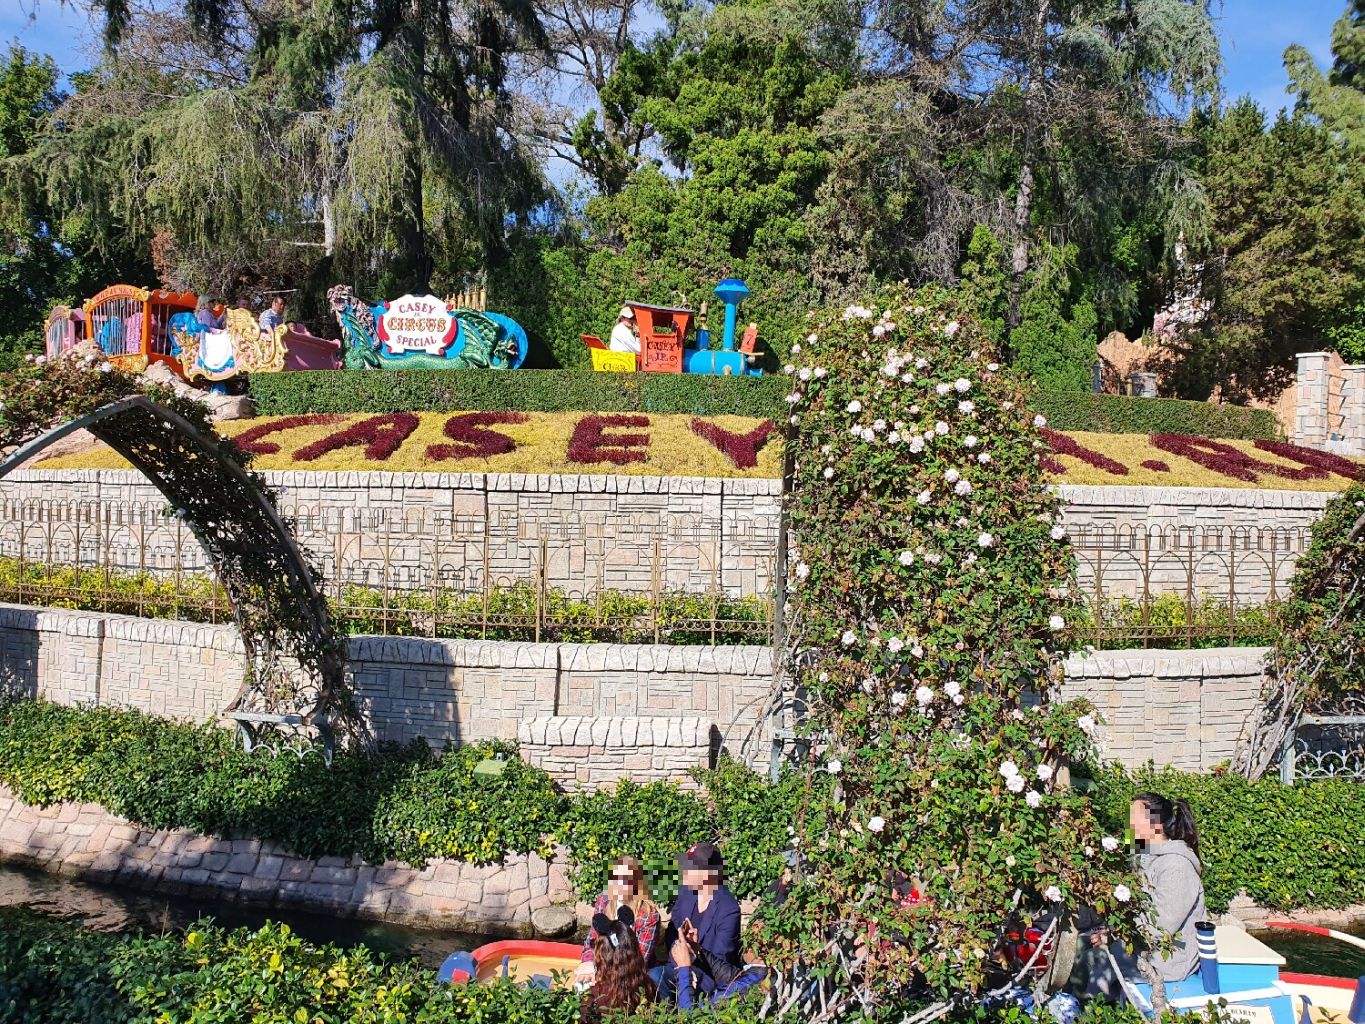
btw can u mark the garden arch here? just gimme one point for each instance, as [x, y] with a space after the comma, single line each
[294, 676]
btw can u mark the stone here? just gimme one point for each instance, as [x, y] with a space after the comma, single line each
[553, 922]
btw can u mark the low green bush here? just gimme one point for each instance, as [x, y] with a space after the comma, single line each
[1174, 623]
[1120, 414]
[519, 612]
[295, 392]
[1288, 847]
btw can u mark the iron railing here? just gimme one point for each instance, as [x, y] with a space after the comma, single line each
[405, 571]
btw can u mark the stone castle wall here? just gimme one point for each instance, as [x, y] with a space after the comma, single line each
[589, 713]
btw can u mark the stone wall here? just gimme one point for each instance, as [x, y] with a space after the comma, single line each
[85, 841]
[591, 752]
[584, 534]
[444, 691]
[1180, 708]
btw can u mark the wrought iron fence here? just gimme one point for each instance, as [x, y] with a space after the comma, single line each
[404, 571]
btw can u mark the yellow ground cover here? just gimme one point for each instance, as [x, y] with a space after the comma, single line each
[542, 447]
[675, 450]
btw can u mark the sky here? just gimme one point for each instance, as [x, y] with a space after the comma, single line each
[1254, 34]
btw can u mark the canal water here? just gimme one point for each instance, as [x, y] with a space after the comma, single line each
[118, 910]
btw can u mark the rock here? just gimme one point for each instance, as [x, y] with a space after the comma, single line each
[221, 407]
[554, 922]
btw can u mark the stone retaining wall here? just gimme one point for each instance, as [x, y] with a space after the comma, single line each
[590, 752]
[85, 841]
[1180, 708]
[588, 533]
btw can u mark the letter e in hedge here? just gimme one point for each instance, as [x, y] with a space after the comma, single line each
[591, 443]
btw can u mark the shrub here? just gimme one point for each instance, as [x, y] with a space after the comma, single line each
[1287, 847]
[655, 822]
[1172, 622]
[1120, 414]
[444, 810]
[384, 391]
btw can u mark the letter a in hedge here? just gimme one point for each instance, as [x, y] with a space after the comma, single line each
[476, 442]
[381, 436]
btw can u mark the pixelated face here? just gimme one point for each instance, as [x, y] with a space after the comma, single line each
[277, 304]
[1145, 822]
[623, 881]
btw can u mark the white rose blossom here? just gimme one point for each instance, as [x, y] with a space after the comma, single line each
[942, 389]
[1040, 421]
[970, 441]
[1086, 724]
[895, 644]
[951, 476]
[963, 488]
[1052, 894]
[854, 406]
[835, 766]
[924, 497]
[1015, 783]
[924, 696]
[1122, 893]
[804, 373]
[1009, 769]
[849, 638]
[820, 372]
[876, 824]
[1044, 772]
[802, 570]
[940, 428]
[985, 540]
[829, 472]
[952, 688]
[1109, 843]
[1056, 623]
[1057, 532]
[963, 385]
[984, 458]
[1033, 798]
[907, 558]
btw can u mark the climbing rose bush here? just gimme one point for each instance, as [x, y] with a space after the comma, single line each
[929, 579]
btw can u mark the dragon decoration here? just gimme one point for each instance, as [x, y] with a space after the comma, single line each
[424, 332]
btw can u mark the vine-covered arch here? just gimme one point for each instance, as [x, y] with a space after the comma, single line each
[294, 672]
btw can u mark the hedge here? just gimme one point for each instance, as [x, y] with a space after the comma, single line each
[1120, 414]
[296, 392]
[1287, 847]
[402, 802]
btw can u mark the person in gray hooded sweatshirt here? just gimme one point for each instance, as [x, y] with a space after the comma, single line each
[1168, 858]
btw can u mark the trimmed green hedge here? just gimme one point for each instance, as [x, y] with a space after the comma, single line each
[295, 392]
[1120, 414]
[1288, 847]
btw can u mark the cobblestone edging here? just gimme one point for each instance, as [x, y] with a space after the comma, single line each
[86, 841]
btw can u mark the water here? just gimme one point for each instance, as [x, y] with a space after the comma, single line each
[1314, 954]
[111, 909]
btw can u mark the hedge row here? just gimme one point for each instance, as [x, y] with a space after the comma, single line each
[1287, 847]
[298, 392]
[402, 802]
[1120, 414]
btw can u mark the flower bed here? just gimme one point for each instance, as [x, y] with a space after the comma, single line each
[720, 446]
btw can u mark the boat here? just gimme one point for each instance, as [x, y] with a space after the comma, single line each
[525, 961]
[1322, 993]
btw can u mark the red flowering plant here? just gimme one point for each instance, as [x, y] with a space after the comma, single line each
[930, 594]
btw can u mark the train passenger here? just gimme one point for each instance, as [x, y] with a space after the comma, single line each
[625, 336]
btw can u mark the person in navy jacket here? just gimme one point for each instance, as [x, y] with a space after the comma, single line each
[707, 916]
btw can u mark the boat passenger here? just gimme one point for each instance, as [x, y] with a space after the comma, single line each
[626, 889]
[625, 336]
[273, 316]
[203, 312]
[708, 912]
[695, 963]
[620, 982]
[1168, 858]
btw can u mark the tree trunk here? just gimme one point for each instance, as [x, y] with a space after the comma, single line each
[1023, 199]
[411, 227]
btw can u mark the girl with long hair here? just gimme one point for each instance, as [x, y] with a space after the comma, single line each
[1168, 858]
[626, 889]
[620, 982]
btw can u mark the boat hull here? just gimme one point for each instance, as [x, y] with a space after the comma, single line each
[522, 961]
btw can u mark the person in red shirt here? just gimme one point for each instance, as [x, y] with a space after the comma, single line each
[626, 887]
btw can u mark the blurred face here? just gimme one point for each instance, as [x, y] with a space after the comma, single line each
[695, 878]
[623, 882]
[277, 304]
[1145, 823]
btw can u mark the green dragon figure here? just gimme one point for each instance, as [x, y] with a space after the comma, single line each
[490, 339]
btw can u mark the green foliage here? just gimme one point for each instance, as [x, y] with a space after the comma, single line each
[400, 802]
[295, 392]
[1347, 333]
[985, 284]
[1287, 847]
[1120, 414]
[1338, 99]
[445, 810]
[1321, 646]
[518, 612]
[928, 597]
[655, 822]
[1171, 622]
[1054, 344]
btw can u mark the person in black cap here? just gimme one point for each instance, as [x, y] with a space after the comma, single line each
[707, 917]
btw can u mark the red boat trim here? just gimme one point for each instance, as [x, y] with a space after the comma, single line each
[1321, 980]
[1312, 929]
[525, 947]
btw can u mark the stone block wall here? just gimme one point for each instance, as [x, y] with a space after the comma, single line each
[84, 840]
[586, 753]
[1185, 709]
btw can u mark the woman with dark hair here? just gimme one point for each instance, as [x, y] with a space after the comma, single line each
[620, 982]
[1168, 857]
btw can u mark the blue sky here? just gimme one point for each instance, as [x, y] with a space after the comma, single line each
[1254, 35]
